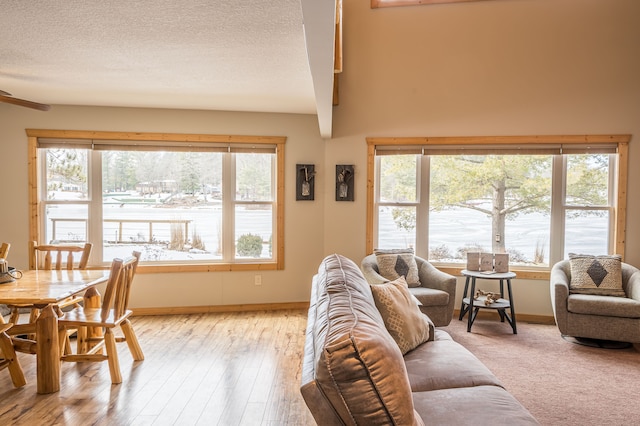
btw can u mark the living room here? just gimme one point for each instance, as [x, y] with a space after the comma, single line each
[485, 68]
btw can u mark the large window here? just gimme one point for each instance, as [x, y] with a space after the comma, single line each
[194, 202]
[536, 200]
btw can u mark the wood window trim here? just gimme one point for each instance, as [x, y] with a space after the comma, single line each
[375, 4]
[620, 140]
[278, 141]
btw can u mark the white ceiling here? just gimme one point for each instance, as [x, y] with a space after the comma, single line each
[232, 55]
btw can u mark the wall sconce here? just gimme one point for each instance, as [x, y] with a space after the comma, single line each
[305, 182]
[344, 182]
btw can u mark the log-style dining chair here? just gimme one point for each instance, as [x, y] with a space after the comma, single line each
[8, 358]
[58, 257]
[113, 313]
[52, 257]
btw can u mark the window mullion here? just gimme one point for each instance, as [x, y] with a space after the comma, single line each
[42, 196]
[228, 227]
[274, 205]
[558, 210]
[376, 202]
[613, 207]
[95, 231]
[422, 209]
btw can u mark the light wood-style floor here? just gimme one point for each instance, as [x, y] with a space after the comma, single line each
[203, 369]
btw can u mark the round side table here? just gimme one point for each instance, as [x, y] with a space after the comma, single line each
[471, 306]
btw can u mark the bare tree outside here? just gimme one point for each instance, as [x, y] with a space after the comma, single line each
[502, 188]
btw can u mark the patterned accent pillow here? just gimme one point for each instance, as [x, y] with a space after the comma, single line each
[405, 323]
[396, 263]
[599, 275]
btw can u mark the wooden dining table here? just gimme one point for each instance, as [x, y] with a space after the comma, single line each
[44, 289]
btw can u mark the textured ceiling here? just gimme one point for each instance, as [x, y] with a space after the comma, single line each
[234, 55]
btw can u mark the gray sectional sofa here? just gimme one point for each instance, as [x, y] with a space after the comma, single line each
[355, 374]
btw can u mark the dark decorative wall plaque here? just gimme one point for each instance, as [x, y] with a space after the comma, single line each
[305, 181]
[344, 182]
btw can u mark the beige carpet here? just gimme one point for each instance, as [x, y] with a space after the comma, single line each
[561, 383]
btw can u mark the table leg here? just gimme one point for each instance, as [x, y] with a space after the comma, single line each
[513, 311]
[48, 352]
[501, 311]
[462, 309]
[470, 305]
[92, 299]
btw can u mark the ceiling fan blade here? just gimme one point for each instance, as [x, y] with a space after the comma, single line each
[22, 102]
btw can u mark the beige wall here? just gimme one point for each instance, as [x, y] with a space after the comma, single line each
[503, 67]
[304, 224]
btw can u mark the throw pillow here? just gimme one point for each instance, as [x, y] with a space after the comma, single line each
[402, 317]
[599, 275]
[396, 263]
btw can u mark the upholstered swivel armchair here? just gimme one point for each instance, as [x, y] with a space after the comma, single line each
[437, 290]
[597, 316]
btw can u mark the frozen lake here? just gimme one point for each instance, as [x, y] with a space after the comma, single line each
[453, 229]
[206, 220]
[460, 228]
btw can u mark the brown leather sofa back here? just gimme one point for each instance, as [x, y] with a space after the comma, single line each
[353, 371]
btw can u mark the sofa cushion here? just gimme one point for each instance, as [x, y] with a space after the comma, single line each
[430, 367]
[440, 334]
[395, 263]
[601, 275]
[359, 367]
[408, 326]
[477, 405]
[430, 296]
[588, 304]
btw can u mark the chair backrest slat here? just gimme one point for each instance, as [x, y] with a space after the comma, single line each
[112, 285]
[61, 262]
[116, 294]
[127, 287]
[4, 250]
